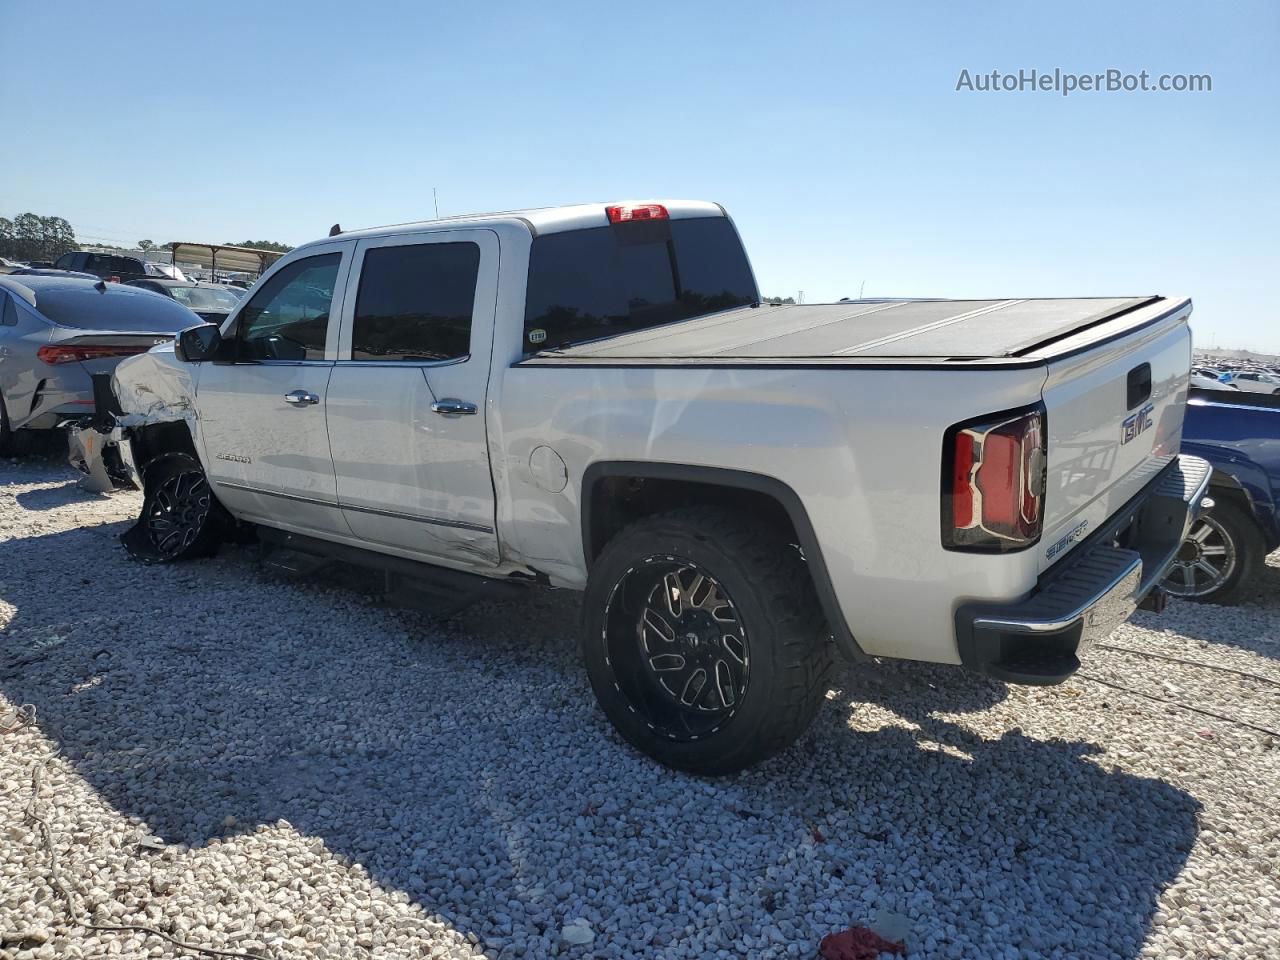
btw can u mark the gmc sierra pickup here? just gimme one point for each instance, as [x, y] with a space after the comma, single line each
[594, 397]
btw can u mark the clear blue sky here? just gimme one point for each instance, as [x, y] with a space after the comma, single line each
[833, 134]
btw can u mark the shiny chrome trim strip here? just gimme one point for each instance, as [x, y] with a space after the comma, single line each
[272, 493]
[434, 521]
[1204, 402]
[405, 363]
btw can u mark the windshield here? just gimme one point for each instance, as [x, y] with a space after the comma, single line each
[604, 281]
[205, 298]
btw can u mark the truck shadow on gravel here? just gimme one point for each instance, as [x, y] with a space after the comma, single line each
[465, 763]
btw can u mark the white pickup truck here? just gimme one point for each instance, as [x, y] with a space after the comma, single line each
[594, 397]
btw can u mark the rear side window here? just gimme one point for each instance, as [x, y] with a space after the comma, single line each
[603, 281]
[415, 302]
[288, 318]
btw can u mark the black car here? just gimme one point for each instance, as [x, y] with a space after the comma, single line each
[212, 302]
[108, 266]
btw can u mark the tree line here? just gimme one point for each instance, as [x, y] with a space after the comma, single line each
[29, 236]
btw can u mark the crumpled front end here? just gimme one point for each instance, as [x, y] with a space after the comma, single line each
[151, 388]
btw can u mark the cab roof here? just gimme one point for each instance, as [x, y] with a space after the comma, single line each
[540, 220]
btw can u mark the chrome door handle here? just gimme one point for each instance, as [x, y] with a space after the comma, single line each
[300, 398]
[450, 405]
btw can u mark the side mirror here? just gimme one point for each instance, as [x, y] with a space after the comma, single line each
[198, 343]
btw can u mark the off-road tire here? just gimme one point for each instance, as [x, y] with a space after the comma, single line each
[204, 536]
[791, 652]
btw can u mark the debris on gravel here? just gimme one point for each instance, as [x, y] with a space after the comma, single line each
[294, 770]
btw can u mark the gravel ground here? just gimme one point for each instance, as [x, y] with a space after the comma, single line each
[333, 778]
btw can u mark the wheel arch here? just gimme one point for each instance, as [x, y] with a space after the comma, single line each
[1251, 497]
[617, 492]
[154, 442]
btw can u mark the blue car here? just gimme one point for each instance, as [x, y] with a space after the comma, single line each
[1239, 433]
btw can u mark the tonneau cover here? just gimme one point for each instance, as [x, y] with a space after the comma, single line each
[946, 329]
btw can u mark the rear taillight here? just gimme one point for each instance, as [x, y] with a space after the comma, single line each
[636, 211]
[56, 353]
[993, 482]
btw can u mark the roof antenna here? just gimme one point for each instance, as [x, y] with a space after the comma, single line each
[335, 230]
[101, 286]
[436, 199]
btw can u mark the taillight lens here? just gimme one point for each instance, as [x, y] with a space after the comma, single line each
[56, 353]
[636, 211]
[994, 480]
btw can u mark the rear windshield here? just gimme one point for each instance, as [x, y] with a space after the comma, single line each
[603, 281]
[83, 307]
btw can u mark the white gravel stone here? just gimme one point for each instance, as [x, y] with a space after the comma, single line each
[327, 777]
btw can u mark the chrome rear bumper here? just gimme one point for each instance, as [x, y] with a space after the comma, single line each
[1096, 588]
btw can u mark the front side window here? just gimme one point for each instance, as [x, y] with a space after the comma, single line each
[605, 281]
[288, 319]
[415, 302]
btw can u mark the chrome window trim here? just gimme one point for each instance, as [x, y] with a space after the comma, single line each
[405, 363]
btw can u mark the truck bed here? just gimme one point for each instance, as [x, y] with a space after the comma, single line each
[950, 330]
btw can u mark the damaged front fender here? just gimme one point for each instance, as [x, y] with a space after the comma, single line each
[154, 387]
[149, 389]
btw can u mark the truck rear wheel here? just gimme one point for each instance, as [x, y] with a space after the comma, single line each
[704, 641]
[1219, 559]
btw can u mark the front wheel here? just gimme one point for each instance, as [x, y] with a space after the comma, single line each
[704, 642]
[181, 519]
[1220, 557]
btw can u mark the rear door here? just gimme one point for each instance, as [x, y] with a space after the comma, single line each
[262, 410]
[406, 401]
[1114, 417]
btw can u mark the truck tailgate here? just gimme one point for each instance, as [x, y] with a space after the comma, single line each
[1114, 415]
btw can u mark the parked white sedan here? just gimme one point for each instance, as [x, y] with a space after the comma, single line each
[1256, 382]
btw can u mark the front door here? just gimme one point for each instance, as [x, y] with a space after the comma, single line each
[262, 409]
[406, 401]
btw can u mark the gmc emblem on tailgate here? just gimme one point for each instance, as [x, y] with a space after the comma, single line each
[1139, 423]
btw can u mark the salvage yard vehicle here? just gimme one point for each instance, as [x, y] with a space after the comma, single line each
[1256, 381]
[594, 397]
[1226, 548]
[56, 332]
[211, 302]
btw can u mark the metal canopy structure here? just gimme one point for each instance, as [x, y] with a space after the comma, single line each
[218, 257]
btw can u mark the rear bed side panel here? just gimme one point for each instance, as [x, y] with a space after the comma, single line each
[1101, 449]
[861, 448]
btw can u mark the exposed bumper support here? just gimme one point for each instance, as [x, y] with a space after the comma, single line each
[1096, 588]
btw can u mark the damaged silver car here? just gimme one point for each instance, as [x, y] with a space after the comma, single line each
[57, 333]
